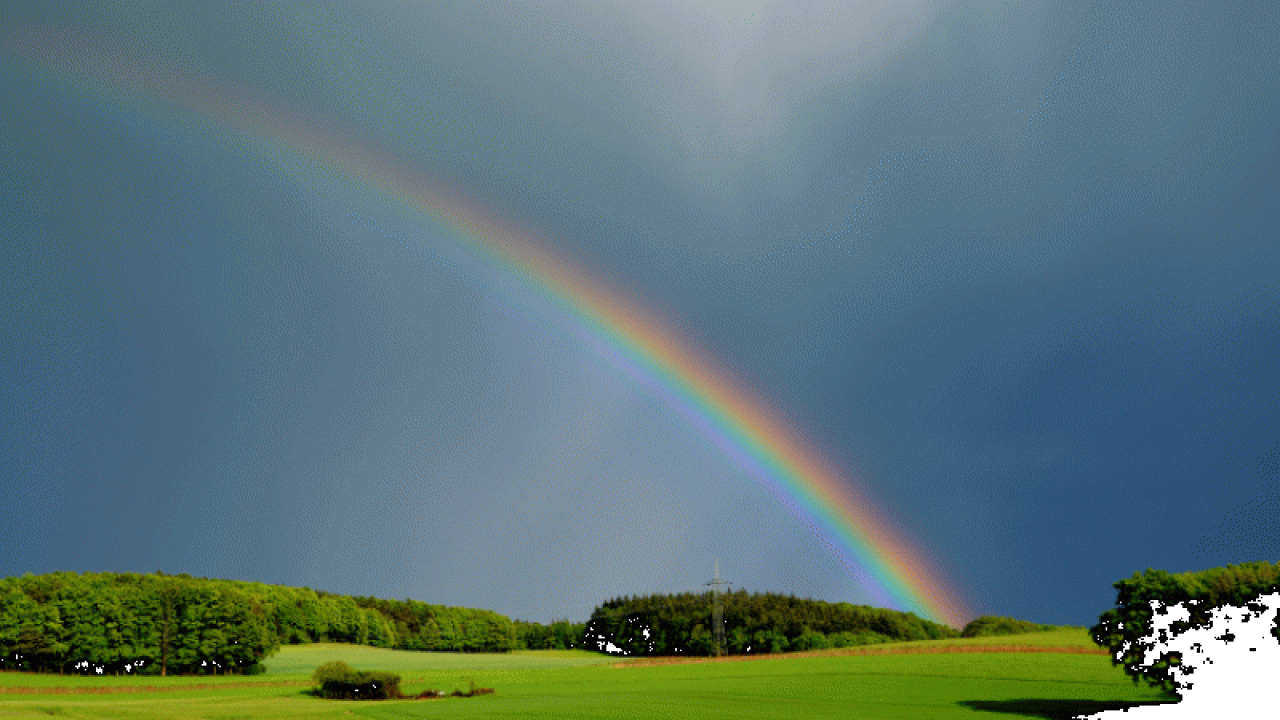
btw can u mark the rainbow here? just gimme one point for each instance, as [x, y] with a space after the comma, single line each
[689, 382]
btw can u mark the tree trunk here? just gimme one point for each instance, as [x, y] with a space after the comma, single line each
[164, 648]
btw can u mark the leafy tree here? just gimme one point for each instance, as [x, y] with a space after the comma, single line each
[1123, 629]
[810, 640]
[700, 639]
[433, 637]
[768, 641]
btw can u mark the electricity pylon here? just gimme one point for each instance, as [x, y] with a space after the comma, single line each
[717, 613]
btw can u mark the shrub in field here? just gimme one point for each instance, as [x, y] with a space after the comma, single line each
[339, 681]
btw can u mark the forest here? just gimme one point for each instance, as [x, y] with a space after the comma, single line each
[115, 623]
[754, 623]
[126, 623]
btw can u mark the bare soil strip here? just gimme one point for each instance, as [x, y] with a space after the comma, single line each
[1063, 649]
[24, 690]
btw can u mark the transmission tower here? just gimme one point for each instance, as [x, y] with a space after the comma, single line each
[717, 613]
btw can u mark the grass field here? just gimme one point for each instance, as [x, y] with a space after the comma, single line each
[986, 677]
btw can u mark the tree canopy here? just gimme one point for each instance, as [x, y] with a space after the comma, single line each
[1127, 629]
[754, 623]
[126, 622]
[994, 625]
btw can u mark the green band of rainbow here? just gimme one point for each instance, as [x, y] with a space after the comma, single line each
[689, 382]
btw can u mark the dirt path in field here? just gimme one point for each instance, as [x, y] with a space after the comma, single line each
[1063, 649]
[24, 690]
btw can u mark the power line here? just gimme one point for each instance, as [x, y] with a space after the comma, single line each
[717, 612]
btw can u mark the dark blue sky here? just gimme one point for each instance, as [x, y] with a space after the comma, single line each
[1013, 266]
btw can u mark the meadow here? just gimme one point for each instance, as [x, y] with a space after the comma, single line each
[1041, 675]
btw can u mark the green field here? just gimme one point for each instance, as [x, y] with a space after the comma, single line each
[572, 684]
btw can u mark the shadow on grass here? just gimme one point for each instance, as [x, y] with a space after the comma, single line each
[1056, 709]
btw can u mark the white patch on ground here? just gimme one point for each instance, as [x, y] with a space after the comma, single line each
[1227, 668]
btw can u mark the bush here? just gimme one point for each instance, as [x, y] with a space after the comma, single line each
[255, 669]
[339, 681]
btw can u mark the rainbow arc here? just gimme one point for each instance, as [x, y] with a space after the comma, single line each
[686, 379]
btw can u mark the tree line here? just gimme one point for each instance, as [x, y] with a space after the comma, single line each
[996, 626]
[415, 625]
[559, 635]
[132, 623]
[681, 624]
[114, 623]
[1127, 629]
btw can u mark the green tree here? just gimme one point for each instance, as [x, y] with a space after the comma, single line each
[433, 636]
[1120, 628]
[1124, 630]
[700, 639]
[809, 640]
[769, 641]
